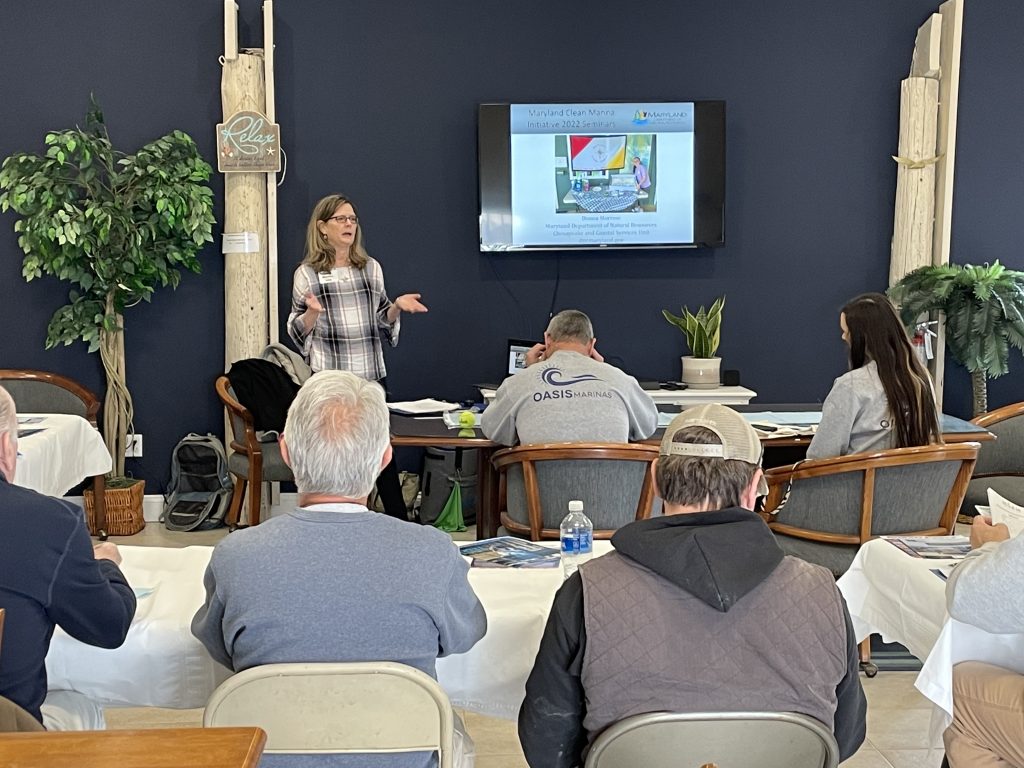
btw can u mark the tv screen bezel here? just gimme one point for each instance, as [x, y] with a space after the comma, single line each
[494, 179]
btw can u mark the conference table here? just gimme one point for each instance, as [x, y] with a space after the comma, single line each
[57, 451]
[161, 664]
[898, 596]
[149, 748]
[780, 450]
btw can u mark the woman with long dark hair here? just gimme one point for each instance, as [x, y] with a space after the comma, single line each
[886, 399]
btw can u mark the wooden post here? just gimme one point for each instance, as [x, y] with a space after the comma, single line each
[268, 69]
[937, 59]
[245, 206]
[952, 12]
[915, 178]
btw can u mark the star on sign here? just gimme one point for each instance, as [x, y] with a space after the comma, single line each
[270, 150]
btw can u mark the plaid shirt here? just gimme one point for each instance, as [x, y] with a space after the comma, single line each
[347, 335]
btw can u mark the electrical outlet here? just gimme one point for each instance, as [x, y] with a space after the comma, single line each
[133, 448]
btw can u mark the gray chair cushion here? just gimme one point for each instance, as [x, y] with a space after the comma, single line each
[1005, 454]
[836, 557]
[609, 491]
[1009, 487]
[42, 397]
[274, 468]
[907, 498]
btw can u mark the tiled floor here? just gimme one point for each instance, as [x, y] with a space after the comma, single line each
[898, 716]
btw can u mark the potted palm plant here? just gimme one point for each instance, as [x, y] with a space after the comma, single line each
[984, 309]
[701, 369]
[116, 227]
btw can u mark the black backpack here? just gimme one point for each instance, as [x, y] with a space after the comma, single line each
[199, 492]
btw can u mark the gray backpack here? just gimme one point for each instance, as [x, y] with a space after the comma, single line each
[199, 492]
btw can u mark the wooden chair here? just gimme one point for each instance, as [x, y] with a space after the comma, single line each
[1001, 461]
[338, 708]
[823, 510]
[670, 739]
[537, 482]
[251, 462]
[44, 392]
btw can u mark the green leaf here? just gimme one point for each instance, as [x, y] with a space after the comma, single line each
[83, 214]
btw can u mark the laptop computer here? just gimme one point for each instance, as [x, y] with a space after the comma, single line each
[515, 358]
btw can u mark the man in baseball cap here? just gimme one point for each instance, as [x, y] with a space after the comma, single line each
[695, 611]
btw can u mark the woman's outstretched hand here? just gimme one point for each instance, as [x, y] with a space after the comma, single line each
[410, 302]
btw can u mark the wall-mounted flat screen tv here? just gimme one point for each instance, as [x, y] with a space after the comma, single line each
[601, 175]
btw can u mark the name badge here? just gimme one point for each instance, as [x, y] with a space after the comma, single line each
[327, 278]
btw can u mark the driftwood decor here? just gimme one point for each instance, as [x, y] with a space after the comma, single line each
[926, 155]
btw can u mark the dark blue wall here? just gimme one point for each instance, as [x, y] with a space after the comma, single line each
[378, 100]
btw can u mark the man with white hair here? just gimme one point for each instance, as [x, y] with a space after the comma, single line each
[696, 611]
[331, 580]
[567, 393]
[51, 575]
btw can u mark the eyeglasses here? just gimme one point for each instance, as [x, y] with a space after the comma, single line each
[344, 219]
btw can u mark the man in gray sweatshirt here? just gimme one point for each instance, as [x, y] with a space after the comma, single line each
[330, 580]
[567, 393]
[987, 590]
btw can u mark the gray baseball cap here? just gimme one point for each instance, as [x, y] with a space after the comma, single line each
[739, 440]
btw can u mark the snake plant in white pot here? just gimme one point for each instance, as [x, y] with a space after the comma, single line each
[701, 368]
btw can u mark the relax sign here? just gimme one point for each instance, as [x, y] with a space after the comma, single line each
[248, 142]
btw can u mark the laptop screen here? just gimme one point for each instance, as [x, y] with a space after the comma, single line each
[516, 355]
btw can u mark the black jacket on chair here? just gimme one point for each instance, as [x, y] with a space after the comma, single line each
[265, 389]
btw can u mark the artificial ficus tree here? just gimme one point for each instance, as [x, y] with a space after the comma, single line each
[117, 227]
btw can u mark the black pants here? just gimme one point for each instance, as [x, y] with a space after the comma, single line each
[389, 487]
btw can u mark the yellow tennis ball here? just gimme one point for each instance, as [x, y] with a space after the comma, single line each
[467, 419]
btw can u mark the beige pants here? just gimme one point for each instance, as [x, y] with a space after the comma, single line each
[988, 717]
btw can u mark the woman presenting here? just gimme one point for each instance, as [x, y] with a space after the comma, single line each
[341, 313]
[886, 399]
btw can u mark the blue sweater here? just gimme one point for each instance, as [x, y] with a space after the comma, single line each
[49, 577]
[317, 585]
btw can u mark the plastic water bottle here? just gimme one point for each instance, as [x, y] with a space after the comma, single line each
[577, 533]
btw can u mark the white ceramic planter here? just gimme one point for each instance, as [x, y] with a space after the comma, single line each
[702, 372]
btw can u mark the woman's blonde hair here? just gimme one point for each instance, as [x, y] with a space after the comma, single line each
[319, 252]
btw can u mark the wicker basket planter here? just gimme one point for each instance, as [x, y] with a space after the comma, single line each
[123, 508]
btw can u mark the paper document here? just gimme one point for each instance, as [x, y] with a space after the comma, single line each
[421, 407]
[510, 552]
[769, 424]
[787, 418]
[1005, 511]
[933, 547]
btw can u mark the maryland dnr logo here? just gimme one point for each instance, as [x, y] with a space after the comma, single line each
[553, 377]
[640, 117]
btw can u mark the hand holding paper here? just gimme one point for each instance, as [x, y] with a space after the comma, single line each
[1006, 513]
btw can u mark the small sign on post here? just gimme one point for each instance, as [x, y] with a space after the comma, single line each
[248, 142]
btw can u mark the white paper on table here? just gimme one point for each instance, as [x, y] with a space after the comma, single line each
[422, 407]
[1006, 512]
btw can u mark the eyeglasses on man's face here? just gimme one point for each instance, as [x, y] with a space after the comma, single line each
[343, 219]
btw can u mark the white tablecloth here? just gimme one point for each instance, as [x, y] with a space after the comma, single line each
[67, 451]
[162, 665]
[898, 596]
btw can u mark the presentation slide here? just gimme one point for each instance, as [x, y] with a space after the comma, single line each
[602, 174]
